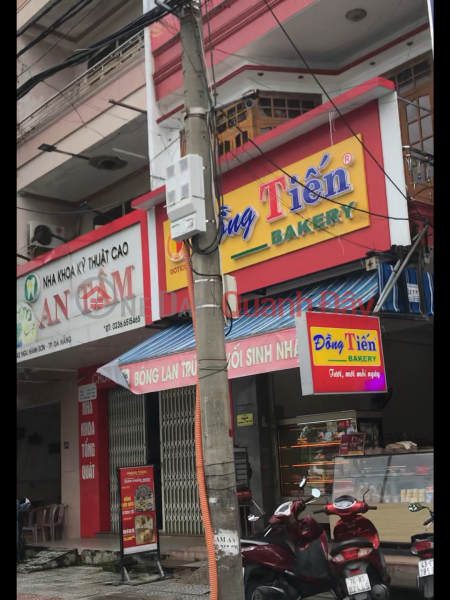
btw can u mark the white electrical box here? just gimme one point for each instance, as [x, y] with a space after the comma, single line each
[185, 197]
[230, 308]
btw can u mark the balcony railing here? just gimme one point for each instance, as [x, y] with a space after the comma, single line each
[82, 88]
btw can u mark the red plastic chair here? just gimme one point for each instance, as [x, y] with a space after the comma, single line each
[36, 523]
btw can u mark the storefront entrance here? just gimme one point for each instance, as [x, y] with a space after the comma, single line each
[179, 481]
[127, 440]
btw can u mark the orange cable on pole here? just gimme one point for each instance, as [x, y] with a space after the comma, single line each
[206, 516]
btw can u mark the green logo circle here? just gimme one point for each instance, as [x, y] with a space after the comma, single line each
[32, 288]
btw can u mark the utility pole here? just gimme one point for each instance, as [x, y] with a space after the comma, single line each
[213, 379]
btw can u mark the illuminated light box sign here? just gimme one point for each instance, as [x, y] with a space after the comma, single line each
[340, 354]
[324, 196]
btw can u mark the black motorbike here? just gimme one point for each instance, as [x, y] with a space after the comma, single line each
[423, 547]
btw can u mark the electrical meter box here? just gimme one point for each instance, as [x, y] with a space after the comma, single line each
[185, 197]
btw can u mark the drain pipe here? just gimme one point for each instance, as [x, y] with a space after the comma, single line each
[398, 270]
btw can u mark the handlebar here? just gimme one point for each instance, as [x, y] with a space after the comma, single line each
[428, 521]
[372, 507]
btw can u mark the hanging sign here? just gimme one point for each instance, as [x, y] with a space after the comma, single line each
[352, 445]
[138, 513]
[340, 354]
[87, 392]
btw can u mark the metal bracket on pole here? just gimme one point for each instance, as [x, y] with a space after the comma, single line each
[163, 5]
[398, 270]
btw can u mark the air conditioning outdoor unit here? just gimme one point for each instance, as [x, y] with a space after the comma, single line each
[41, 235]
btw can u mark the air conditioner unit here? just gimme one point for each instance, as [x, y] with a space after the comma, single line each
[47, 232]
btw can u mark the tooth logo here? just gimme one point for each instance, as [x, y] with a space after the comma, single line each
[32, 288]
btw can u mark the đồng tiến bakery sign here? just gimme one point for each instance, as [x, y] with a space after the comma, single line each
[340, 354]
[324, 196]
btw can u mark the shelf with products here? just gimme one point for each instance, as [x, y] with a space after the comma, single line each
[388, 478]
[308, 446]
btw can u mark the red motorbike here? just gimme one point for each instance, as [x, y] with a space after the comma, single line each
[290, 560]
[423, 547]
[357, 562]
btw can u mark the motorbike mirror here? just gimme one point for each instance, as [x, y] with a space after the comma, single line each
[415, 507]
[252, 518]
[315, 492]
[365, 493]
[302, 483]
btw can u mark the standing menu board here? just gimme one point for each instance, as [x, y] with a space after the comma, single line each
[138, 514]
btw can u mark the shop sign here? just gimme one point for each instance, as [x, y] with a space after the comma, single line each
[276, 215]
[138, 510]
[88, 295]
[352, 445]
[262, 354]
[87, 392]
[244, 420]
[340, 354]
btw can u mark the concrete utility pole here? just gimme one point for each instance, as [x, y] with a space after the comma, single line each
[215, 404]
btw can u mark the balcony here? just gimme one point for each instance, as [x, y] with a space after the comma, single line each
[84, 87]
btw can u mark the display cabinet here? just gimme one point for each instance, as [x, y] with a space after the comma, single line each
[309, 445]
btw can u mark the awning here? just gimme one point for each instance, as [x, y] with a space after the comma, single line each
[261, 340]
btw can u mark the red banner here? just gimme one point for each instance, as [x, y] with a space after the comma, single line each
[137, 500]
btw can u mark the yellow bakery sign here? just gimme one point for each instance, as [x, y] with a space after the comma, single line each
[345, 347]
[312, 201]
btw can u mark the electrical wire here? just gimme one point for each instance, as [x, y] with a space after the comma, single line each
[37, 19]
[347, 124]
[61, 38]
[73, 10]
[83, 55]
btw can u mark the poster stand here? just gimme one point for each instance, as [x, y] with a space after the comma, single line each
[137, 507]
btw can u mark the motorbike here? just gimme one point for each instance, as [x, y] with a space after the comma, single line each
[24, 505]
[289, 560]
[357, 562]
[423, 547]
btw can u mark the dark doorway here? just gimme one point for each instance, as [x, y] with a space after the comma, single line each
[154, 449]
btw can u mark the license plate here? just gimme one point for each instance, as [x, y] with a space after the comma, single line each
[426, 567]
[357, 584]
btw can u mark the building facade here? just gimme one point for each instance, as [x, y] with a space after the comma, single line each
[109, 299]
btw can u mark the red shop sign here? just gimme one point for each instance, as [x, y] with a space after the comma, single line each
[138, 513]
[340, 354]
[352, 444]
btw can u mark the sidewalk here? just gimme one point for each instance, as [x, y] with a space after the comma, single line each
[91, 583]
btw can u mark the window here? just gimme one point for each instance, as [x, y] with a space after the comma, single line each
[104, 53]
[269, 111]
[111, 215]
[414, 83]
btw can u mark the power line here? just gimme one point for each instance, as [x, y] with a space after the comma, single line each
[305, 186]
[61, 38]
[73, 10]
[37, 19]
[334, 105]
[82, 56]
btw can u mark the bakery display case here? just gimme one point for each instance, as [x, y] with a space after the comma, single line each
[309, 445]
[392, 480]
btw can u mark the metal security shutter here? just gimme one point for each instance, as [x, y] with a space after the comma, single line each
[127, 440]
[181, 506]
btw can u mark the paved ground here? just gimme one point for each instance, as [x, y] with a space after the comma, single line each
[93, 583]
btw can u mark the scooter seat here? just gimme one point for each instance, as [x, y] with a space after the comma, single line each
[357, 542]
[265, 541]
[422, 536]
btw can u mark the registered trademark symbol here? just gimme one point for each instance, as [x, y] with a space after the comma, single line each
[348, 159]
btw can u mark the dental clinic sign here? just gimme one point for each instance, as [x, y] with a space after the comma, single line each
[340, 354]
[324, 196]
[90, 294]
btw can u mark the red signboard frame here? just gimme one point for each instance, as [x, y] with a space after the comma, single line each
[138, 523]
[340, 377]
